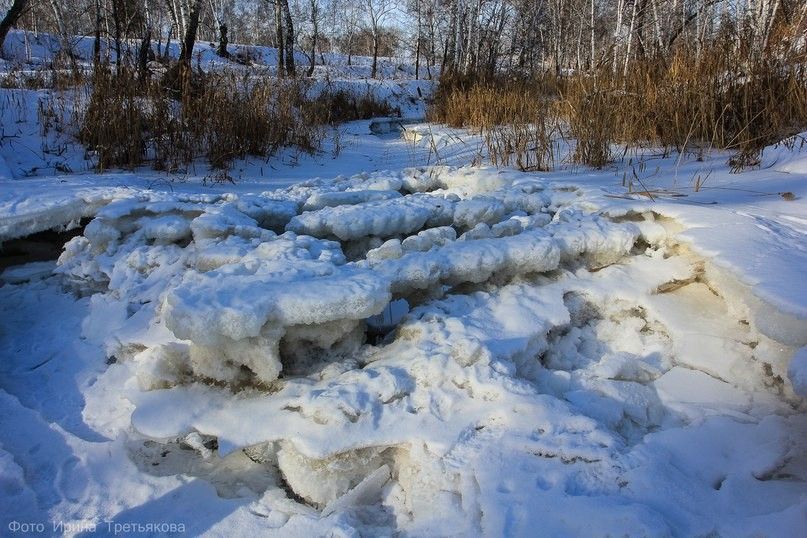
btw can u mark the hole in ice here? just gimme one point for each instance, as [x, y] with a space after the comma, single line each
[311, 349]
[380, 325]
[41, 246]
[347, 479]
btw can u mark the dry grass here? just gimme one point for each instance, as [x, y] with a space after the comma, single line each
[338, 106]
[55, 76]
[527, 147]
[485, 102]
[724, 99]
[516, 116]
[129, 122]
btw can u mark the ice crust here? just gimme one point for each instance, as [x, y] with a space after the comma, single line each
[217, 275]
[545, 345]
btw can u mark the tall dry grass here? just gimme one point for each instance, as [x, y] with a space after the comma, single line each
[128, 121]
[516, 116]
[723, 98]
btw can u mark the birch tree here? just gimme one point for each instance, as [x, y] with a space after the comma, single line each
[377, 13]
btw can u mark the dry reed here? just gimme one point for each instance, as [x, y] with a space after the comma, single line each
[723, 98]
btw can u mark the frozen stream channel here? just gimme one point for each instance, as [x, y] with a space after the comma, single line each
[422, 351]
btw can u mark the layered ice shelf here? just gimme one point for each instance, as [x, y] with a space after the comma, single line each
[379, 350]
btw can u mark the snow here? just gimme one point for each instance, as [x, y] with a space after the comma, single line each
[471, 261]
[330, 199]
[556, 346]
[30, 271]
[797, 372]
[630, 336]
[380, 219]
[404, 346]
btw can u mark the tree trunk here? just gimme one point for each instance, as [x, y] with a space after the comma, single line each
[591, 23]
[223, 41]
[290, 70]
[116, 22]
[768, 26]
[166, 54]
[143, 55]
[281, 62]
[657, 29]
[630, 39]
[447, 64]
[11, 18]
[96, 45]
[375, 53]
[417, 48]
[315, 24]
[186, 54]
[620, 9]
[432, 51]
[640, 24]
[473, 23]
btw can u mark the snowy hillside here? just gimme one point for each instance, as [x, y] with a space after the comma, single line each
[25, 49]
[385, 340]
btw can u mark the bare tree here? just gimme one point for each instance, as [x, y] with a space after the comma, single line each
[348, 15]
[217, 10]
[314, 34]
[96, 45]
[377, 13]
[11, 18]
[281, 64]
[64, 35]
[145, 45]
[463, 35]
[192, 25]
[289, 35]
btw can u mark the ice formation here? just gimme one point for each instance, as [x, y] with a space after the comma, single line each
[544, 345]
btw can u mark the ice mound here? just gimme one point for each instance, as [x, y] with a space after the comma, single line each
[429, 349]
[597, 240]
[213, 271]
[471, 261]
[240, 322]
[55, 210]
[380, 219]
[332, 199]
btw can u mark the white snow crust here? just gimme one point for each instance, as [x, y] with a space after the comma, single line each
[438, 358]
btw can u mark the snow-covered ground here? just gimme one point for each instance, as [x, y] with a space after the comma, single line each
[26, 52]
[383, 341]
[424, 349]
